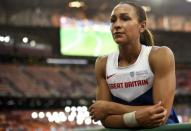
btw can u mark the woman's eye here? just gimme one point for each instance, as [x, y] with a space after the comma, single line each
[125, 18]
[113, 19]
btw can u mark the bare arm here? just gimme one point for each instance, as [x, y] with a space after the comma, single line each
[103, 93]
[110, 113]
[163, 65]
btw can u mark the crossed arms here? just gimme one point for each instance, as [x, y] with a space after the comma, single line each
[111, 114]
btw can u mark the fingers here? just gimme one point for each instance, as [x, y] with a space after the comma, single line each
[91, 107]
[158, 109]
[159, 119]
[91, 112]
[160, 115]
[157, 123]
[159, 112]
[158, 104]
[93, 117]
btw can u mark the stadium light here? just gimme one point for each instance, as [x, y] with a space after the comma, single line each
[99, 123]
[79, 108]
[188, 0]
[71, 118]
[34, 115]
[76, 4]
[7, 39]
[25, 39]
[67, 109]
[55, 114]
[41, 115]
[1, 38]
[48, 114]
[86, 114]
[56, 117]
[51, 119]
[62, 117]
[88, 121]
[79, 121]
[73, 114]
[33, 43]
[84, 109]
[73, 109]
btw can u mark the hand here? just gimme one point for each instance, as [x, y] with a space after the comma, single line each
[153, 116]
[98, 110]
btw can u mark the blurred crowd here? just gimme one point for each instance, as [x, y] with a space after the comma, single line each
[44, 81]
[61, 81]
[46, 18]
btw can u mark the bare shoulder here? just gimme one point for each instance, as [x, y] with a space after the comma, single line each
[162, 53]
[101, 61]
[161, 57]
[100, 65]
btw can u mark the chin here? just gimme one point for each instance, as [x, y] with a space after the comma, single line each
[120, 42]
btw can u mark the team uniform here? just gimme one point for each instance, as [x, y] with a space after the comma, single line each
[132, 85]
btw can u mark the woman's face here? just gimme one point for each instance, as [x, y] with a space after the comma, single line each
[125, 27]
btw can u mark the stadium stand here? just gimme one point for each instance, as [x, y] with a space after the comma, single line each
[34, 95]
[43, 81]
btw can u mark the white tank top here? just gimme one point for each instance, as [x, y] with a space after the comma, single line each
[128, 83]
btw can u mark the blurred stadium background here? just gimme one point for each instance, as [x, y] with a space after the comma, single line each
[47, 54]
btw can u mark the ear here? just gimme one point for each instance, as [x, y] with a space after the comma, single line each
[142, 26]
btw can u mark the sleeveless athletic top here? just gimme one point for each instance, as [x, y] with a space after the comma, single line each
[132, 85]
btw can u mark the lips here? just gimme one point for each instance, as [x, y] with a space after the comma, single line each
[118, 34]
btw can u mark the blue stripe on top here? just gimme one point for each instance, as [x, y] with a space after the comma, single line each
[146, 99]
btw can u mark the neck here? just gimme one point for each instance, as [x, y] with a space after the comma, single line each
[129, 53]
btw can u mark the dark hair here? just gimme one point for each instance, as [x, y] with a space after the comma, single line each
[147, 37]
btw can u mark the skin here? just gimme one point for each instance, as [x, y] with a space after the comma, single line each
[126, 31]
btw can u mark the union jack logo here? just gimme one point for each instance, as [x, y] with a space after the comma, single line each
[132, 74]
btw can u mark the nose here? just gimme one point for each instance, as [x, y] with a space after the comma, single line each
[116, 24]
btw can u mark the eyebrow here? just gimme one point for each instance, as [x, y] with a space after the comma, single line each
[121, 14]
